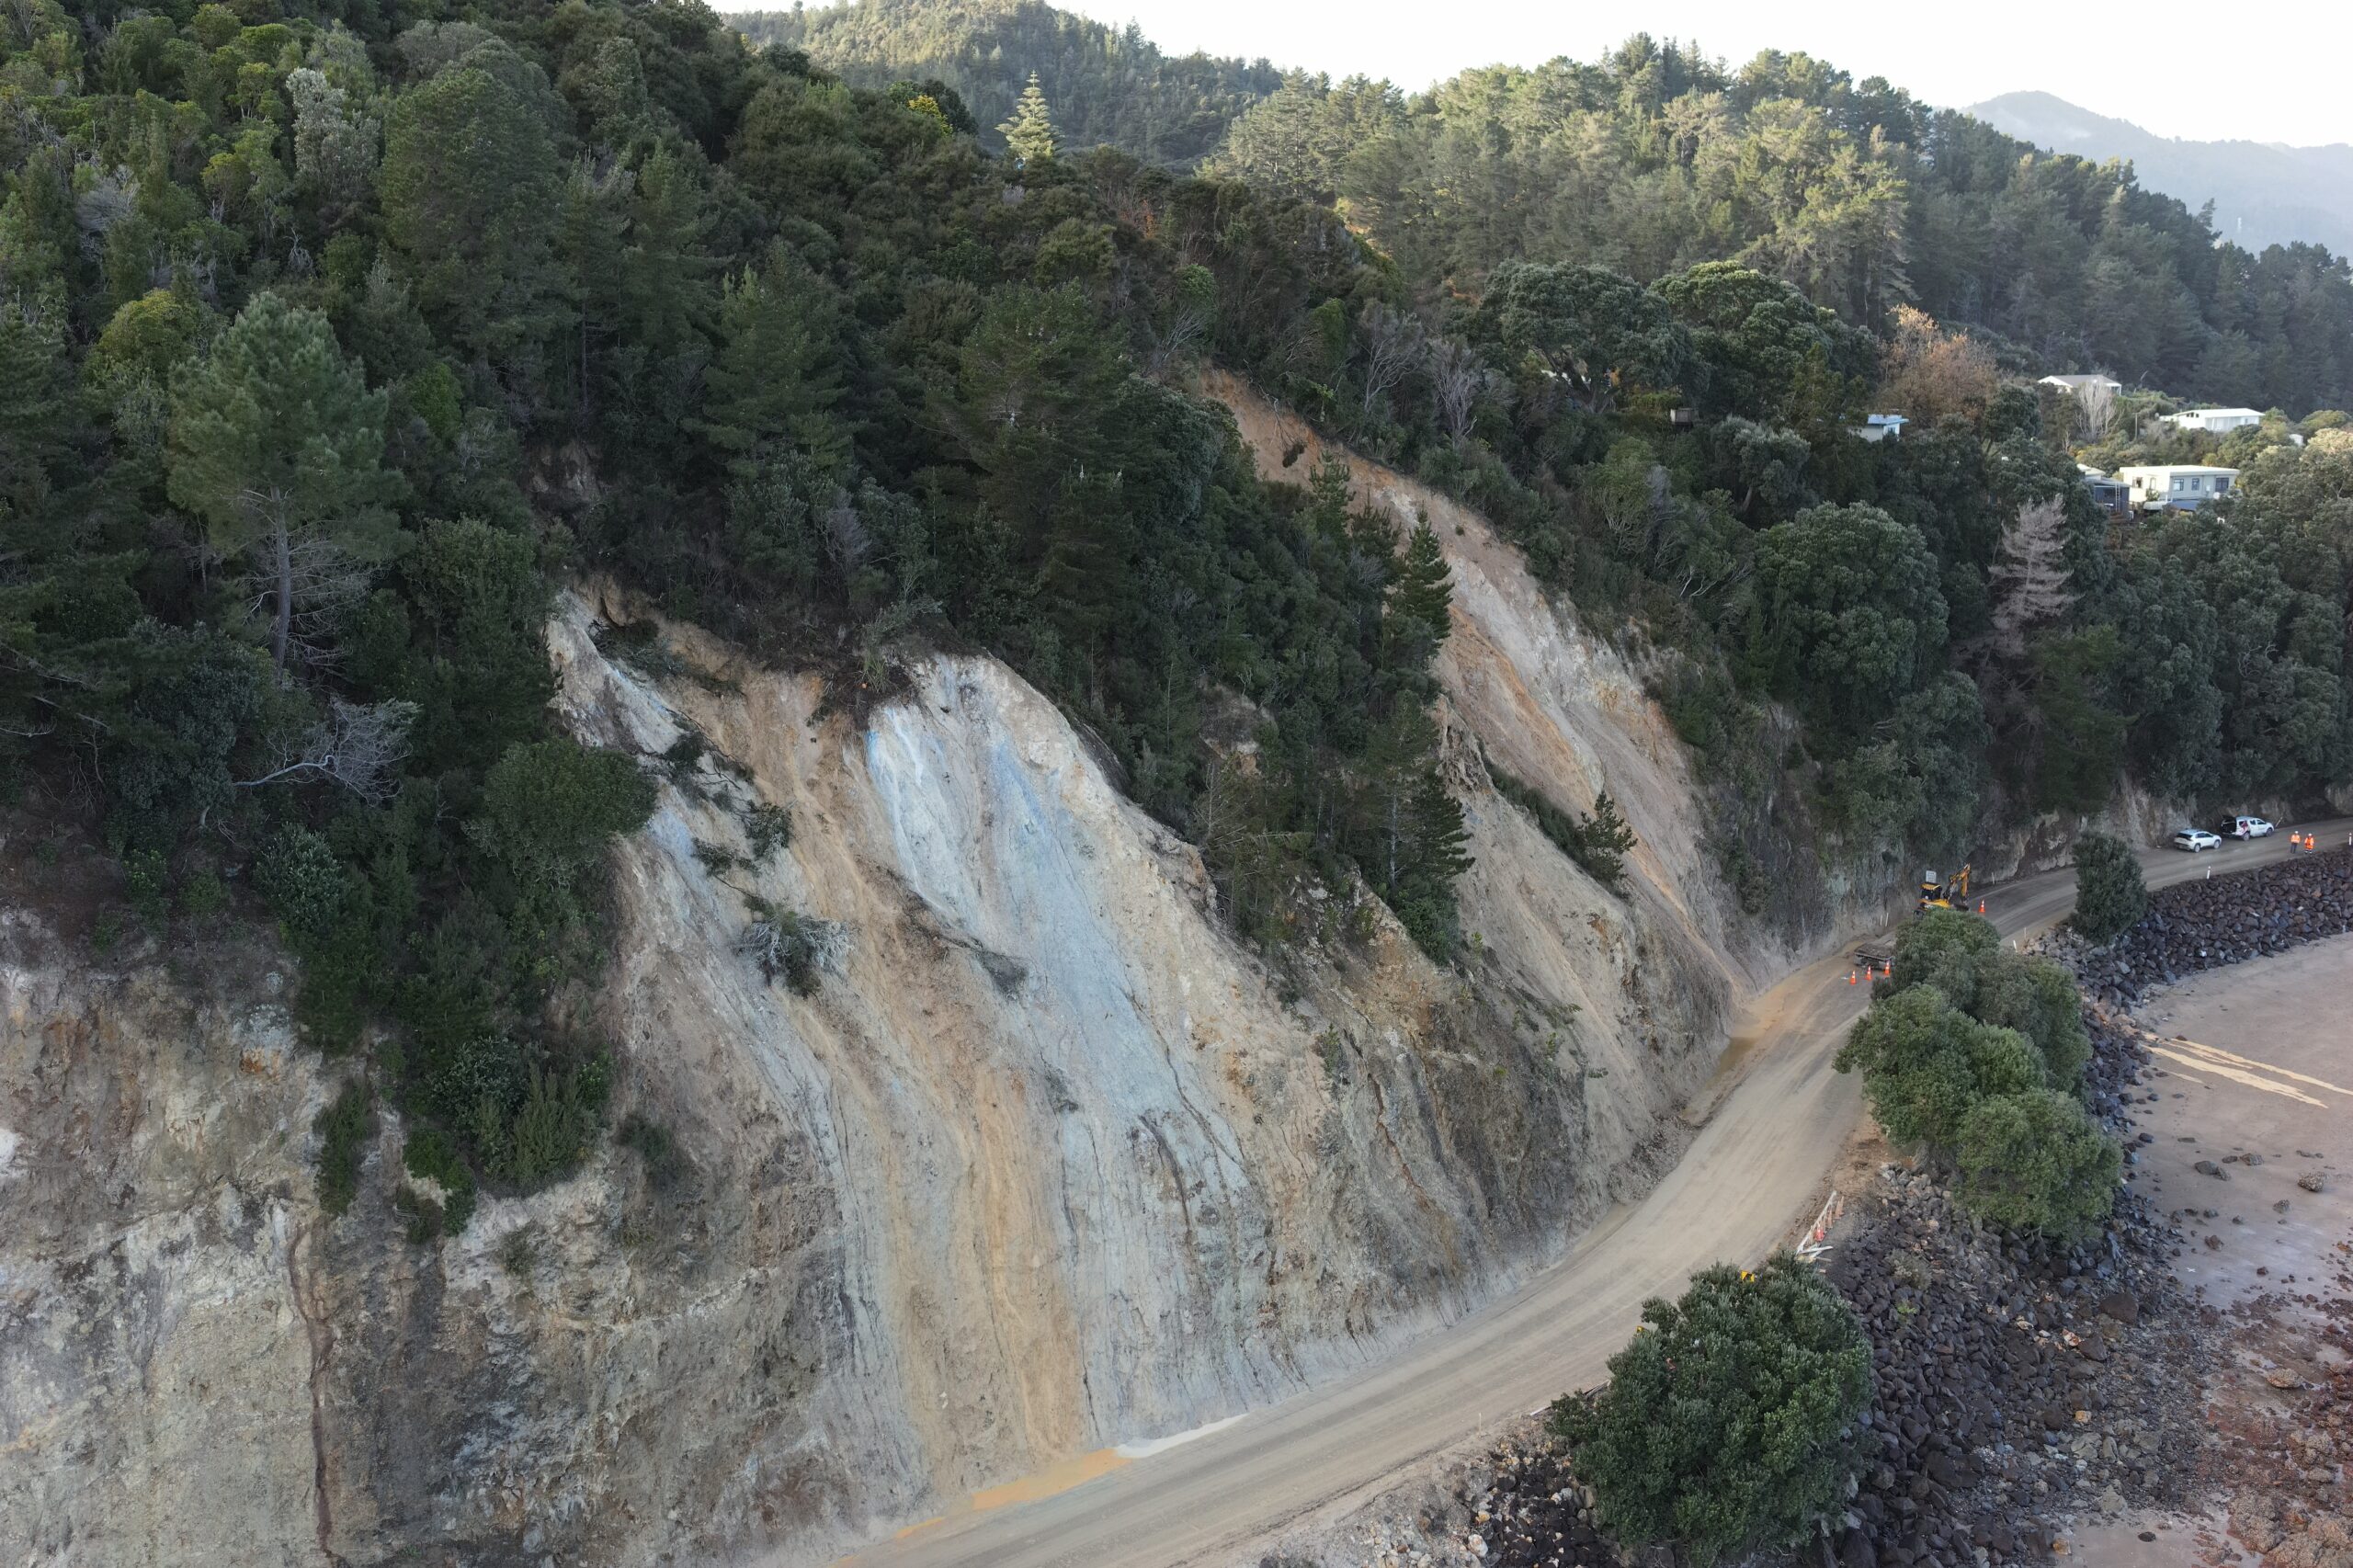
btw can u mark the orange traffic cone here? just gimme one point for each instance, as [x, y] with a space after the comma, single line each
[1850, 977]
[1981, 906]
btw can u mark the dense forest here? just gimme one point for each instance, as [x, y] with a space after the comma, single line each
[1654, 158]
[330, 338]
[1109, 87]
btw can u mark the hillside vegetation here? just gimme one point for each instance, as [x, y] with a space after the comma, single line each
[1654, 158]
[1110, 87]
[329, 337]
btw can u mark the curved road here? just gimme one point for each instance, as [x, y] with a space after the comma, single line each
[1751, 1178]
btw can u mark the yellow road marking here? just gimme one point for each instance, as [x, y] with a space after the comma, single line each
[2238, 1075]
[2217, 1054]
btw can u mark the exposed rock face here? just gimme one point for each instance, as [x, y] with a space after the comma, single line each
[155, 1229]
[1046, 1161]
[1100, 1172]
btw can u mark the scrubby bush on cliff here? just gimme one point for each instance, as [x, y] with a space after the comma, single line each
[305, 883]
[344, 1129]
[1598, 840]
[550, 807]
[1731, 1422]
[2110, 894]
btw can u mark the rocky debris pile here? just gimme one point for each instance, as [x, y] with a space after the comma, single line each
[2120, 1060]
[2022, 1387]
[2205, 924]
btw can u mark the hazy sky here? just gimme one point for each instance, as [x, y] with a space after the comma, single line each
[2268, 74]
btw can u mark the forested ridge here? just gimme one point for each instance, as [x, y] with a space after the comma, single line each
[335, 333]
[1654, 158]
[1110, 86]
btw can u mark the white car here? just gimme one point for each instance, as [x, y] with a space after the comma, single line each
[2196, 838]
[2245, 827]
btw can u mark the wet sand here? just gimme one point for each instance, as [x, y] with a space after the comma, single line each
[2258, 1061]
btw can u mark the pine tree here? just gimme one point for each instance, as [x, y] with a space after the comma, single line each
[1030, 134]
[1605, 838]
[276, 443]
[2030, 580]
[776, 375]
[1424, 587]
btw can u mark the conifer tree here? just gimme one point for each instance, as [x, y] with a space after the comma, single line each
[1424, 587]
[276, 443]
[1030, 134]
[1606, 839]
[776, 375]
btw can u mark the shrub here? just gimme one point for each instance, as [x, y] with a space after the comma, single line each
[552, 1133]
[1941, 948]
[2110, 893]
[1978, 1055]
[2038, 999]
[148, 881]
[203, 894]
[425, 1219]
[430, 1153]
[766, 829]
[796, 946]
[1926, 1062]
[344, 1129]
[1596, 840]
[550, 807]
[1962, 956]
[1731, 1423]
[2035, 1161]
[304, 883]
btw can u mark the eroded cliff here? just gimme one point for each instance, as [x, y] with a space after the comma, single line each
[1042, 1160]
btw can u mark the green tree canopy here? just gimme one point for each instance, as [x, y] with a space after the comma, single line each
[1926, 1062]
[275, 444]
[1732, 1423]
[1594, 331]
[470, 191]
[1852, 616]
[1752, 335]
[2110, 894]
[1030, 134]
[2035, 1161]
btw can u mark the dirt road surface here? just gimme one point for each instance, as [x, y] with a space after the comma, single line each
[1754, 1175]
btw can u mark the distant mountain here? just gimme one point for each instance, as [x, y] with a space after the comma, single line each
[1106, 86]
[2263, 193]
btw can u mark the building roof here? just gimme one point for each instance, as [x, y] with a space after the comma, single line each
[2081, 382]
[2217, 412]
[1887, 419]
[2176, 468]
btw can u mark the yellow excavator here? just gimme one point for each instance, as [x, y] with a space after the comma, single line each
[1938, 893]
